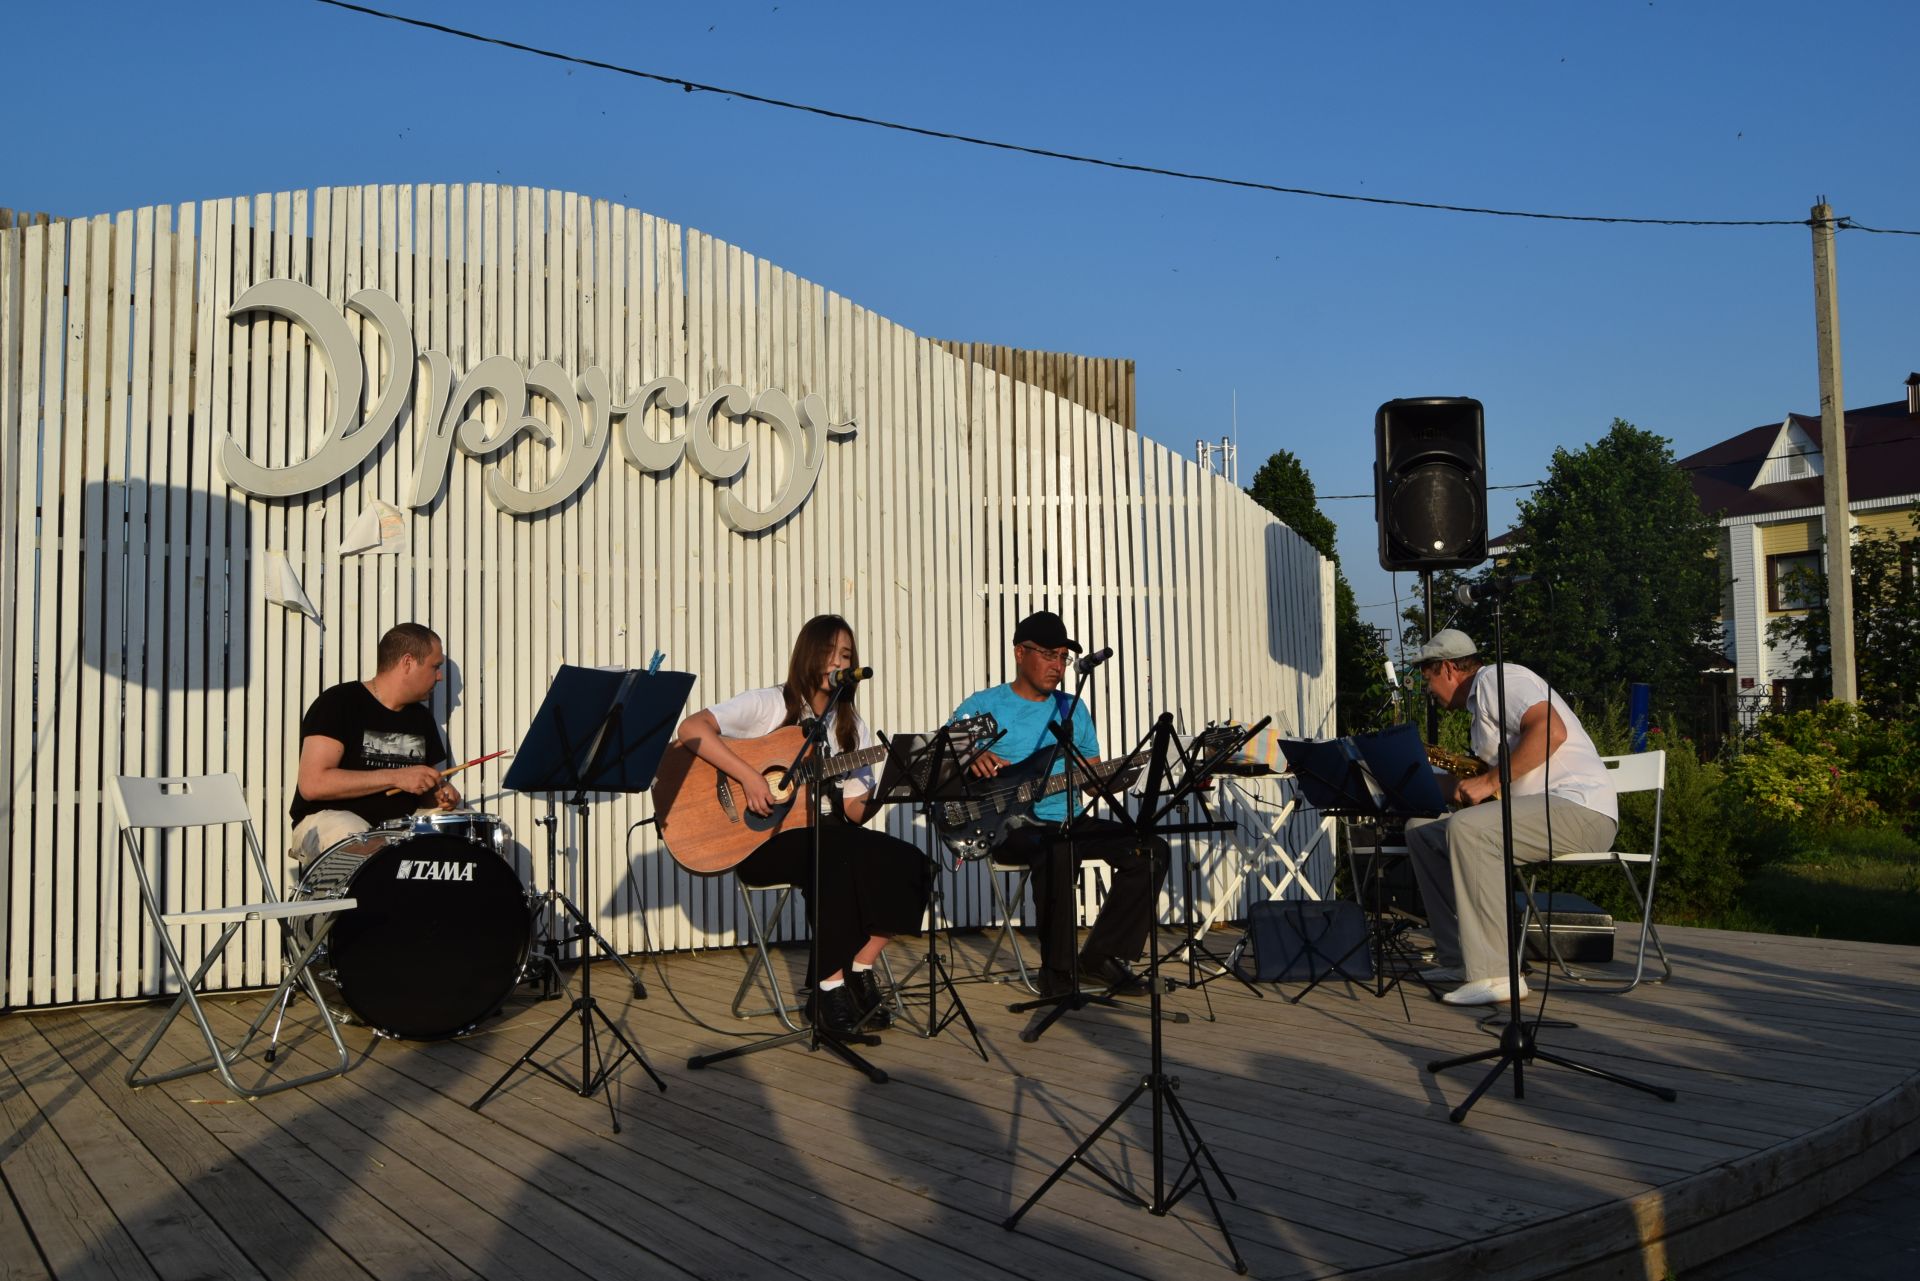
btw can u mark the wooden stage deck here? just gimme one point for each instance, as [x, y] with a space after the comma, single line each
[1795, 1060]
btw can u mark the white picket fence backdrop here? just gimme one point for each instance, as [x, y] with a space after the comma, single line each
[141, 641]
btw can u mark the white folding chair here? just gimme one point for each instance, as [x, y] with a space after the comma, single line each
[1640, 772]
[166, 805]
[761, 962]
[1009, 884]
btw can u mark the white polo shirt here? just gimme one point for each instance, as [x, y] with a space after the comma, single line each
[1573, 772]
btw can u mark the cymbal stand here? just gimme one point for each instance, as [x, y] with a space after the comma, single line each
[549, 906]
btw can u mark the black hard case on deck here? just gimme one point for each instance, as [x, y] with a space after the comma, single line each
[1581, 931]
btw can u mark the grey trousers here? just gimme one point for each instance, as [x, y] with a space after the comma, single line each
[1457, 862]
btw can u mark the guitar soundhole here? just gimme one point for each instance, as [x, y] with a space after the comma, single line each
[777, 784]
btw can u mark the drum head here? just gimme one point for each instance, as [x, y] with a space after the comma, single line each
[437, 941]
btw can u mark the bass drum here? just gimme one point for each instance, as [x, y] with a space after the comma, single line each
[439, 938]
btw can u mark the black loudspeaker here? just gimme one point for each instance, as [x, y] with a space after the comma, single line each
[1430, 483]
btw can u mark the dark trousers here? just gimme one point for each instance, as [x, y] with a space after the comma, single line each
[870, 883]
[1127, 914]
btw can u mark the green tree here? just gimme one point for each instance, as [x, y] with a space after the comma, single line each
[1629, 584]
[1283, 487]
[1886, 624]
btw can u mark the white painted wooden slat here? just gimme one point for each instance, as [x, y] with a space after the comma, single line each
[12, 455]
[62, 544]
[37, 333]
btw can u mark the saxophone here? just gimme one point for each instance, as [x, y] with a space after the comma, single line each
[1459, 764]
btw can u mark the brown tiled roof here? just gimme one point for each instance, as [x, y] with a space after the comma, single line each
[1883, 460]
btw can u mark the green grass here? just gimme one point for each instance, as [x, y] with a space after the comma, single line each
[1865, 890]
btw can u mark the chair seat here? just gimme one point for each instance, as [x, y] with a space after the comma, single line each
[262, 912]
[1601, 857]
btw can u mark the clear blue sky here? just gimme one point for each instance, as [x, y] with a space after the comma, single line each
[1312, 311]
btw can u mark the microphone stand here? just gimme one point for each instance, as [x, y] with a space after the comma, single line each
[1518, 1043]
[814, 1035]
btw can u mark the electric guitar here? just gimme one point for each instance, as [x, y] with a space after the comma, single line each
[971, 828]
[702, 813]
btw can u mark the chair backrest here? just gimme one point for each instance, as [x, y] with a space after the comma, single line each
[1640, 772]
[205, 800]
[169, 804]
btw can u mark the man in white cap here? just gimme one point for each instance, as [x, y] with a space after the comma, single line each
[1559, 787]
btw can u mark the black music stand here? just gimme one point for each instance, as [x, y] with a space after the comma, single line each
[1382, 776]
[1205, 757]
[597, 730]
[1153, 808]
[927, 770]
[813, 1036]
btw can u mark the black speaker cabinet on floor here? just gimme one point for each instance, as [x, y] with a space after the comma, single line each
[1430, 483]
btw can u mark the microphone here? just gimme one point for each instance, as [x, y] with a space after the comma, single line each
[848, 676]
[1495, 588]
[1093, 660]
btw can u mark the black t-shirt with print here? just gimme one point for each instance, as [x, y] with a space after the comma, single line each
[375, 737]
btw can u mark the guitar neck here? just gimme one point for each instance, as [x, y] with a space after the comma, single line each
[847, 762]
[1040, 790]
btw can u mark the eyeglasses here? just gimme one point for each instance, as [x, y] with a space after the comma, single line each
[1046, 655]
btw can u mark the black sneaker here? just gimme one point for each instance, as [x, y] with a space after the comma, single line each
[1112, 974]
[872, 1012]
[833, 1009]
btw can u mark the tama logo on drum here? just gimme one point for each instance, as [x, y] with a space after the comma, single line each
[423, 870]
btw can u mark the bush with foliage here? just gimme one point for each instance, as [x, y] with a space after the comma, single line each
[1829, 767]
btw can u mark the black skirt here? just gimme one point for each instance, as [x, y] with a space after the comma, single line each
[870, 883]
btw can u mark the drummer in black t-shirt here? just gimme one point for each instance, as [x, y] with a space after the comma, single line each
[361, 739]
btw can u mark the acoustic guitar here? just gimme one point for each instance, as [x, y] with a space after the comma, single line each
[702, 813]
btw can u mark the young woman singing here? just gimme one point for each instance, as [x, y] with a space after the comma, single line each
[872, 885]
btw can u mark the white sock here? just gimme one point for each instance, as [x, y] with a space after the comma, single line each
[827, 985]
[860, 967]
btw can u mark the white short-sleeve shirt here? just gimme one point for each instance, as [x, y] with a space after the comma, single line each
[759, 712]
[1573, 772]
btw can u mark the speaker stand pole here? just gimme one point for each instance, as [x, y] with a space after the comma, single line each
[1433, 708]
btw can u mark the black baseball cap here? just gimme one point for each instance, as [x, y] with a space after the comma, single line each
[1044, 628]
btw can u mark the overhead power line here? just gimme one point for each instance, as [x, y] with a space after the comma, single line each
[1048, 153]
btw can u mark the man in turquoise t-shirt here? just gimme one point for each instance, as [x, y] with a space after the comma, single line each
[1026, 708]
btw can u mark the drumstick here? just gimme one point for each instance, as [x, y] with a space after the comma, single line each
[478, 760]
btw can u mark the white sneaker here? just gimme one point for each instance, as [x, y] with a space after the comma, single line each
[1483, 992]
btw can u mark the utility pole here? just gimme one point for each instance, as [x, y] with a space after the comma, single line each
[1833, 451]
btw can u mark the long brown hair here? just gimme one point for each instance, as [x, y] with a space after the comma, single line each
[812, 649]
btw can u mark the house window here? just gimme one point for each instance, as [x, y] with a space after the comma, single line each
[1793, 581]
[1796, 694]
